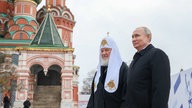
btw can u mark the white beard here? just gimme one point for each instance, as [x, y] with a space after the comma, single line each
[104, 62]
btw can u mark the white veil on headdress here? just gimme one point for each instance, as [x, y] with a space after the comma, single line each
[114, 64]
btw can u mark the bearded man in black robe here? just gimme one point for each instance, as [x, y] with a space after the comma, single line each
[109, 83]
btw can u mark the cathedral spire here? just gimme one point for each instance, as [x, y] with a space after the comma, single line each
[47, 35]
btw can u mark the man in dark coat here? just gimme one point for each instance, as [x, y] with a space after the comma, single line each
[6, 101]
[109, 83]
[27, 103]
[148, 83]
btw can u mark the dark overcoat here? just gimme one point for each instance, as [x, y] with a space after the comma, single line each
[27, 104]
[148, 83]
[6, 102]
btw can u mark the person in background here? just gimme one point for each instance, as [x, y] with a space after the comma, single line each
[109, 82]
[27, 103]
[6, 101]
[148, 82]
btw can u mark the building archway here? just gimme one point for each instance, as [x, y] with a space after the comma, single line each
[47, 85]
[37, 71]
[54, 75]
[50, 77]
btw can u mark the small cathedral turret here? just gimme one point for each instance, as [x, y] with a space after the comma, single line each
[63, 18]
[23, 26]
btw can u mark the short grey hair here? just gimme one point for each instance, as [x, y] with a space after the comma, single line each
[147, 31]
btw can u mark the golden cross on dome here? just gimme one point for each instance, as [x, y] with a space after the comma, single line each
[48, 5]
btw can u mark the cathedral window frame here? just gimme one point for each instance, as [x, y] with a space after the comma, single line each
[54, 2]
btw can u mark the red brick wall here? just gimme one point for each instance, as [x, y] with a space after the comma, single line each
[63, 22]
[18, 9]
[75, 94]
[25, 8]
[10, 23]
[34, 12]
[5, 7]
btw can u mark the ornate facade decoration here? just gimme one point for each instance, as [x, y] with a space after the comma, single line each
[40, 45]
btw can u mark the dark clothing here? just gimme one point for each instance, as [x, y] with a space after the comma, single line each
[103, 74]
[148, 83]
[27, 104]
[6, 102]
[103, 99]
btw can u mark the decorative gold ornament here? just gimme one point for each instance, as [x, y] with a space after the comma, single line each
[104, 42]
[111, 85]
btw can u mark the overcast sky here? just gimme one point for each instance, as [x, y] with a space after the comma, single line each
[170, 22]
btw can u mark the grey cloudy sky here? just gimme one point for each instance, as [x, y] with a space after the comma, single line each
[169, 20]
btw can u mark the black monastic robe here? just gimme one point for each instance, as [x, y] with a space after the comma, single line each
[103, 99]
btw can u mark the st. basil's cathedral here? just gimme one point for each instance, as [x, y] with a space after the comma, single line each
[36, 54]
